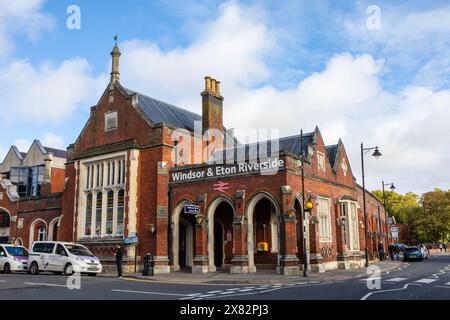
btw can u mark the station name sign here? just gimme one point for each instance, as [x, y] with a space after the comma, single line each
[267, 167]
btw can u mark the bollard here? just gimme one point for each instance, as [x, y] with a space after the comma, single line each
[152, 265]
[146, 270]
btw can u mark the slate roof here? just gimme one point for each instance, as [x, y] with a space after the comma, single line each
[56, 152]
[286, 144]
[162, 112]
[332, 152]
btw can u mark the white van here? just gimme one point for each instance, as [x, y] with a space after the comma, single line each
[62, 257]
[13, 258]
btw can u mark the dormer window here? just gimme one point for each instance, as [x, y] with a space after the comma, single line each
[111, 121]
[321, 161]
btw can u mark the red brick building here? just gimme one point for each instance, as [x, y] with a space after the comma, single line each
[180, 186]
[31, 186]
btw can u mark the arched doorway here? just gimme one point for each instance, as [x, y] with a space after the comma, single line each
[186, 242]
[220, 234]
[263, 232]
[5, 223]
[183, 237]
[218, 244]
[300, 229]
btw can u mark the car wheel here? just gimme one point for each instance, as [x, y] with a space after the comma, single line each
[68, 270]
[6, 268]
[34, 269]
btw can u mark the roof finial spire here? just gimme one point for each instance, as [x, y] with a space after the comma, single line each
[115, 74]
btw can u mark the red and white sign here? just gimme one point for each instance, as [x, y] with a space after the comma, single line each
[221, 186]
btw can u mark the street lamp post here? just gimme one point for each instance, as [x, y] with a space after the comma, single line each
[392, 187]
[375, 154]
[305, 254]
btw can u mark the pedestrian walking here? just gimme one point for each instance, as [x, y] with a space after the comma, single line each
[119, 260]
[381, 250]
[440, 246]
[391, 250]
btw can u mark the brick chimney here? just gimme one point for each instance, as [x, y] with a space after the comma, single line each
[212, 101]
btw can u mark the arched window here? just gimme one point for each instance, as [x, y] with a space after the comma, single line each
[42, 232]
[88, 216]
[120, 212]
[4, 219]
[110, 213]
[98, 215]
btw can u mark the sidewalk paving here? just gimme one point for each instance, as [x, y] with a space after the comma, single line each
[264, 277]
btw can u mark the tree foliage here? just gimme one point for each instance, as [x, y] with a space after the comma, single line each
[427, 218]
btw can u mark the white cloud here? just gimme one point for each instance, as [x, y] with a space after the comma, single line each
[23, 144]
[346, 99]
[47, 92]
[415, 40]
[53, 141]
[21, 17]
[231, 48]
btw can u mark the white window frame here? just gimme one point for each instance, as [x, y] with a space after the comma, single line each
[324, 229]
[100, 185]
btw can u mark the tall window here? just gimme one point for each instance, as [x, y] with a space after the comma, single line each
[120, 211]
[344, 212]
[324, 219]
[88, 215]
[354, 225]
[28, 180]
[110, 213]
[105, 217]
[98, 215]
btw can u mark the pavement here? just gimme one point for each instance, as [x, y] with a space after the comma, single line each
[265, 277]
[428, 280]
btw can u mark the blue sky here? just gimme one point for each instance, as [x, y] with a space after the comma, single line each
[283, 65]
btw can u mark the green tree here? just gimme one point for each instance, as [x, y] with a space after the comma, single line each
[436, 215]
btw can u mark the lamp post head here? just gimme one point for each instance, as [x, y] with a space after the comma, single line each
[377, 153]
[392, 187]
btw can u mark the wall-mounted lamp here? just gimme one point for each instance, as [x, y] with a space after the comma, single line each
[314, 220]
[152, 228]
[341, 220]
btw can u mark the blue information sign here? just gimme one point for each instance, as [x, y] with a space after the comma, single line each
[191, 209]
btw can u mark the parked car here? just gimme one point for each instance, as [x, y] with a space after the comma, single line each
[62, 257]
[413, 253]
[424, 251]
[13, 258]
[401, 246]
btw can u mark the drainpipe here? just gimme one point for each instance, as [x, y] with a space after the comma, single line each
[170, 226]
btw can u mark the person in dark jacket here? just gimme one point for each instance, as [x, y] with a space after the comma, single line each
[391, 249]
[381, 250]
[119, 260]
